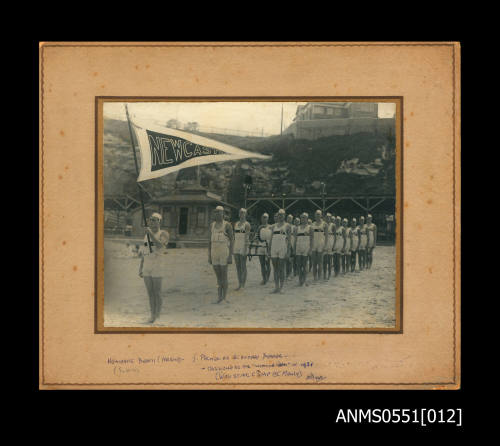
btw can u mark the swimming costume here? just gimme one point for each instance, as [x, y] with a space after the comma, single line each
[303, 241]
[219, 247]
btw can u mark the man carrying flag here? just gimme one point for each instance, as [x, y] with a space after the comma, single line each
[220, 250]
[152, 264]
[165, 150]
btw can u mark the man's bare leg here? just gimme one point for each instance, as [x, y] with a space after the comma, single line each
[276, 274]
[157, 294]
[225, 283]
[148, 281]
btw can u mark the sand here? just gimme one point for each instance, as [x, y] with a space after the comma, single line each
[363, 299]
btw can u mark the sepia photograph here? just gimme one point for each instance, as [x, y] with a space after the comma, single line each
[248, 214]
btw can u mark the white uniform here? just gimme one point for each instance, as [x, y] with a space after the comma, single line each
[240, 234]
[279, 245]
[303, 240]
[264, 239]
[347, 240]
[318, 236]
[363, 238]
[355, 239]
[219, 244]
[371, 240]
[155, 262]
[330, 237]
[339, 241]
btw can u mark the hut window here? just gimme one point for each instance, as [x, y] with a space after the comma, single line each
[201, 216]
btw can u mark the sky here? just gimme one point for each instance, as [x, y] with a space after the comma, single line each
[244, 116]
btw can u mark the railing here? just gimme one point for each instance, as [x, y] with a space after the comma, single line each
[221, 130]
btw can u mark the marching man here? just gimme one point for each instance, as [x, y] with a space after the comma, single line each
[152, 266]
[220, 250]
[241, 242]
[363, 243]
[371, 229]
[279, 249]
[264, 237]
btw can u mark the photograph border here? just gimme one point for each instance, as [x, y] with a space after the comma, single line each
[99, 327]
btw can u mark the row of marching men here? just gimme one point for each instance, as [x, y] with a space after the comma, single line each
[293, 246]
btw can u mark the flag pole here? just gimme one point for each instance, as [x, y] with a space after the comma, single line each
[137, 170]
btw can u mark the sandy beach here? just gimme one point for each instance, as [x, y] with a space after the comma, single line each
[356, 300]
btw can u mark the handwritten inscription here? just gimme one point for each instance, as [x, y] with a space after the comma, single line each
[120, 370]
[219, 367]
[315, 378]
[257, 365]
[159, 359]
[250, 367]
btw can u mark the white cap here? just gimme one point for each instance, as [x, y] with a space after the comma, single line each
[282, 211]
[304, 214]
[243, 210]
[345, 220]
[156, 215]
[265, 214]
[219, 208]
[369, 216]
[318, 211]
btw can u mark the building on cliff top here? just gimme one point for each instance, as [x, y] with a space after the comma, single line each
[319, 119]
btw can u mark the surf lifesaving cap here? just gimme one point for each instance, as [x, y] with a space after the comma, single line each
[219, 208]
[156, 215]
[265, 214]
[282, 211]
[319, 212]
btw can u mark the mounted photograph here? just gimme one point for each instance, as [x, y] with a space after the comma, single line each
[248, 214]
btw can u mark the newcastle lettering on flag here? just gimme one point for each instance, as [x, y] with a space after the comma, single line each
[165, 150]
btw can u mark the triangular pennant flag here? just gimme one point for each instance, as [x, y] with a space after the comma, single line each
[165, 150]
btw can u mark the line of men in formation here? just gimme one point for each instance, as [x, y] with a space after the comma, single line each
[292, 245]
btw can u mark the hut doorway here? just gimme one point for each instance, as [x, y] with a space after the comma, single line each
[183, 221]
